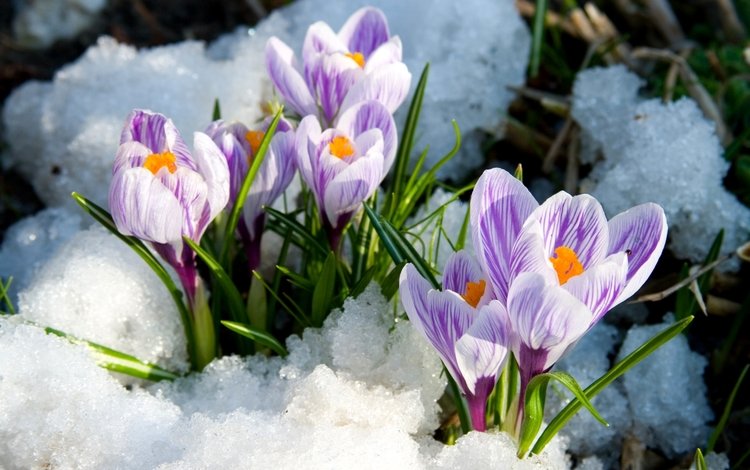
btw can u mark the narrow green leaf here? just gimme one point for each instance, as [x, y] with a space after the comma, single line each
[260, 337]
[292, 308]
[616, 371]
[310, 242]
[323, 293]
[518, 174]
[297, 279]
[534, 408]
[4, 295]
[398, 247]
[389, 286]
[537, 37]
[118, 361]
[700, 462]
[727, 409]
[461, 242]
[463, 411]
[407, 137]
[105, 219]
[224, 282]
[217, 110]
[239, 202]
[362, 283]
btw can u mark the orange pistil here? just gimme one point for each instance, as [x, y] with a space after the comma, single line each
[566, 264]
[474, 292]
[157, 161]
[254, 138]
[357, 57]
[341, 147]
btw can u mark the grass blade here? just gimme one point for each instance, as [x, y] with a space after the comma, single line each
[260, 337]
[234, 216]
[322, 297]
[537, 37]
[4, 295]
[597, 386]
[727, 409]
[699, 461]
[117, 361]
[105, 219]
[310, 242]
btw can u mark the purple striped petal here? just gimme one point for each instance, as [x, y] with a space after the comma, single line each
[158, 133]
[143, 207]
[365, 31]
[320, 38]
[600, 287]
[346, 191]
[500, 204]
[529, 254]
[546, 319]
[641, 233]
[371, 140]
[482, 350]
[130, 155]
[287, 80]
[388, 53]
[460, 269]
[388, 84]
[331, 76]
[191, 192]
[367, 115]
[576, 222]
[307, 139]
[212, 167]
[442, 317]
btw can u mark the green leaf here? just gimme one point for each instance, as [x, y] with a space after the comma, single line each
[537, 37]
[685, 301]
[223, 281]
[323, 293]
[407, 137]
[117, 361]
[260, 337]
[309, 242]
[700, 462]
[239, 202]
[105, 219]
[602, 382]
[398, 247]
[4, 297]
[292, 308]
[217, 110]
[463, 411]
[534, 408]
[389, 286]
[727, 409]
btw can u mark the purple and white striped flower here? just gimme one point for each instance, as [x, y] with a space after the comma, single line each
[362, 62]
[468, 329]
[160, 192]
[560, 266]
[240, 145]
[344, 165]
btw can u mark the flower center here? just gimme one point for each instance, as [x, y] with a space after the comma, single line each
[157, 161]
[254, 138]
[357, 57]
[474, 292]
[341, 147]
[566, 264]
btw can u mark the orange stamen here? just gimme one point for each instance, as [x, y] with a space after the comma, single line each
[474, 292]
[341, 147]
[157, 161]
[357, 57]
[566, 264]
[254, 138]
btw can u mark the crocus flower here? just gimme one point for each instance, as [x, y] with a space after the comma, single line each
[240, 145]
[344, 165]
[362, 62]
[467, 328]
[561, 255]
[160, 193]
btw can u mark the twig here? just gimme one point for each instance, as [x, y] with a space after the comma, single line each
[558, 104]
[552, 19]
[694, 86]
[665, 21]
[549, 158]
[671, 78]
[571, 169]
[667, 292]
[730, 21]
[258, 9]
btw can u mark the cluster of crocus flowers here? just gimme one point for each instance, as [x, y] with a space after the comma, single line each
[239, 144]
[161, 192]
[555, 268]
[346, 89]
[362, 62]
